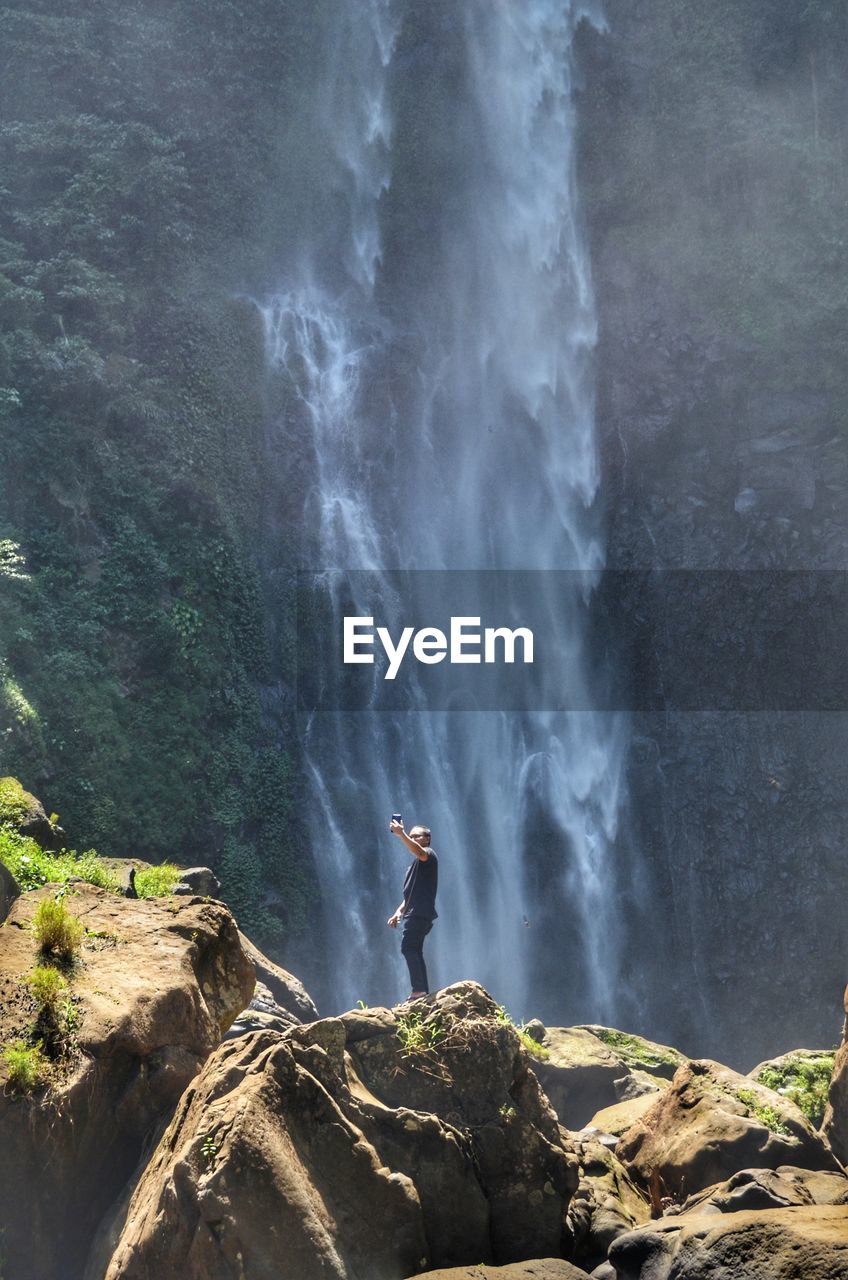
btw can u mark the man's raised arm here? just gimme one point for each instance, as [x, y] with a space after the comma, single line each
[419, 851]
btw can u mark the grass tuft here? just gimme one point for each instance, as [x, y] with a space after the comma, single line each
[25, 1065]
[57, 931]
[157, 882]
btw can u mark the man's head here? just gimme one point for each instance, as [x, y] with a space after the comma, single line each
[421, 834]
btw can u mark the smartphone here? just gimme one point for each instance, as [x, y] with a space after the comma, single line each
[396, 817]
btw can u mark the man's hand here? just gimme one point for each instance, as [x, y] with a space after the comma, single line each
[396, 828]
[394, 921]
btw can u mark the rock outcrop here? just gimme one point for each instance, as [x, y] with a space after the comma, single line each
[9, 891]
[25, 813]
[804, 1243]
[712, 1123]
[287, 990]
[591, 1068]
[538, 1269]
[770, 1189]
[371, 1145]
[606, 1204]
[836, 1117]
[155, 985]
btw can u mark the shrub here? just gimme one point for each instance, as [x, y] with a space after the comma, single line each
[32, 866]
[56, 929]
[25, 1065]
[804, 1080]
[14, 805]
[46, 985]
[157, 882]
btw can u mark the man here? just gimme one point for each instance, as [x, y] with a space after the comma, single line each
[418, 908]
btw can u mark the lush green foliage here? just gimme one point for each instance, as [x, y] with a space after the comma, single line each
[156, 882]
[25, 1064]
[32, 866]
[57, 930]
[140, 148]
[805, 1080]
[13, 802]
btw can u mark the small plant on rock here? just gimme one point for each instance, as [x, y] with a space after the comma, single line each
[157, 882]
[57, 931]
[25, 1065]
[47, 986]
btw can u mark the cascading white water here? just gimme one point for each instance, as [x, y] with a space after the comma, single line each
[449, 406]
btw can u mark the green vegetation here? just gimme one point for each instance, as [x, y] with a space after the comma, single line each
[532, 1046]
[208, 1149]
[25, 1065]
[14, 805]
[32, 867]
[763, 1111]
[133, 471]
[47, 986]
[157, 882]
[418, 1034]
[57, 931]
[805, 1080]
[636, 1052]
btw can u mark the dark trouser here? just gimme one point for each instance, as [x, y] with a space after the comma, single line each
[415, 930]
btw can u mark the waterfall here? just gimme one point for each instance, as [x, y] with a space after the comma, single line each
[433, 323]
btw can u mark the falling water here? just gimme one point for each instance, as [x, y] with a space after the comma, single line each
[434, 325]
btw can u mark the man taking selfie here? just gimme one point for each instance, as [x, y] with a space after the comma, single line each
[418, 908]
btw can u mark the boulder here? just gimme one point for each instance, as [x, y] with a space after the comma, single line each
[799, 1243]
[712, 1123]
[835, 1125]
[198, 880]
[21, 810]
[379, 1144]
[262, 1014]
[605, 1205]
[153, 989]
[639, 1054]
[770, 1189]
[591, 1068]
[538, 1269]
[620, 1117]
[287, 990]
[580, 1075]
[9, 891]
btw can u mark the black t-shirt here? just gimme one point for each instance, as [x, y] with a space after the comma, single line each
[419, 888]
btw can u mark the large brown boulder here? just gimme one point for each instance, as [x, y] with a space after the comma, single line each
[155, 985]
[538, 1269]
[803, 1243]
[713, 1122]
[770, 1189]
[587, 1069]
[836, 1116]
[376, 1144]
